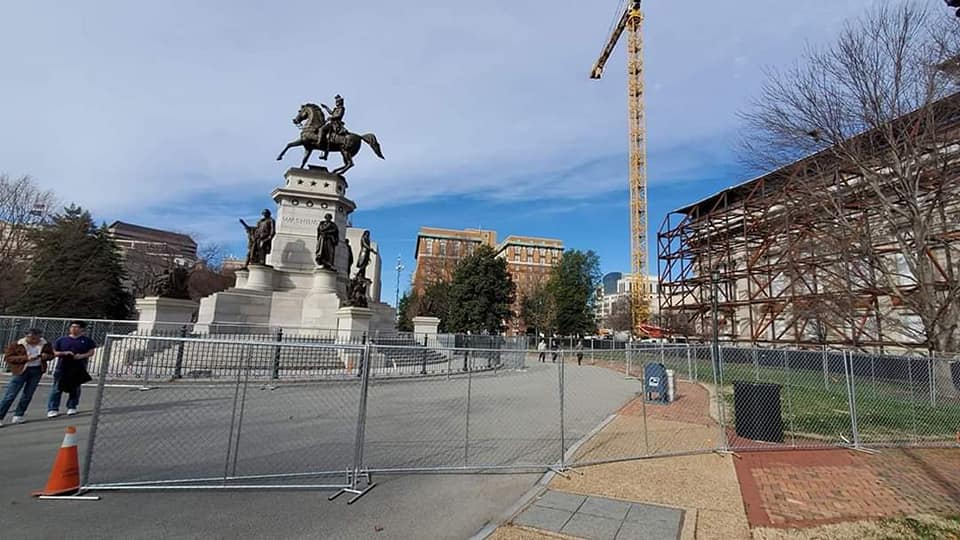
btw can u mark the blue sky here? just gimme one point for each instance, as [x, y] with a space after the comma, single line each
[170, 114]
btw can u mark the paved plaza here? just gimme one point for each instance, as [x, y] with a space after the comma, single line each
[600, 518]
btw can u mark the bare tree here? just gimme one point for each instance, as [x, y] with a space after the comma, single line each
[880, 122]
[537, 310]
[23, 207]
[620, 318]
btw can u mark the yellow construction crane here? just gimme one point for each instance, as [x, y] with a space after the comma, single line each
[631, 20]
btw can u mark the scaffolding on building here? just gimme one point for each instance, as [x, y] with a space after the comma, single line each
[779, 269]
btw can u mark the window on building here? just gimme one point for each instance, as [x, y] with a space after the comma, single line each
[530, 251]
[456, 248]
[516, 255]
[443, 247]
[428, 246]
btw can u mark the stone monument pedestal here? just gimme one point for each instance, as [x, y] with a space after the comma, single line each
[322, 302]
[426, 326]
[163, 315]
[289, 291]
[157, 316]
[353, 327]
[260, 278]
[241, 278]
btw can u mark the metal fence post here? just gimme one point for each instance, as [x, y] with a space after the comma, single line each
[690, 375]
[423, 360]
[275, 373]
[466, 434]
[913, 399]
[756, 364]
[932, 378]
[826, 366]
[717, 352]
[97, 406]
[563, 443]
[245, 368]
[466, 354]
[178, 367]
[643, 409]
[851, 396]
[626, 373]
[789, 385]
[147, 369]
[233, 418]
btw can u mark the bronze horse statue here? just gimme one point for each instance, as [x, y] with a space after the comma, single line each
[310, 118]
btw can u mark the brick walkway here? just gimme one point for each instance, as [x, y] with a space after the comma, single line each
[807, 488]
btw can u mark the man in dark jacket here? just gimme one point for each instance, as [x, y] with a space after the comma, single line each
[72, 352]
[27, 359]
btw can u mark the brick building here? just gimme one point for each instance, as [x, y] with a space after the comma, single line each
[529, 259]
[439, 250]
[147, 252]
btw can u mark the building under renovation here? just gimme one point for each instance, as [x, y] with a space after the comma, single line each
[786, 269]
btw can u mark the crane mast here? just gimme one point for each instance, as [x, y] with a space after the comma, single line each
[631, 21]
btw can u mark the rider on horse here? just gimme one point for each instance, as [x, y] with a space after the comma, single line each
[333, 125]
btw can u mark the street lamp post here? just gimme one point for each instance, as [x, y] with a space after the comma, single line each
[397, 299]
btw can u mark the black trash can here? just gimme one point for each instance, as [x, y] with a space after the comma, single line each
[757, 410]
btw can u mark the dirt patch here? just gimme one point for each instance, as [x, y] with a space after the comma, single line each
[925, 527]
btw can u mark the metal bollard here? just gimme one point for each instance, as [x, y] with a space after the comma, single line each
[423, 360]
[275, 373]
[178, 368]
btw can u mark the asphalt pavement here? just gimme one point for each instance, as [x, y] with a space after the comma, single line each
[185, 432]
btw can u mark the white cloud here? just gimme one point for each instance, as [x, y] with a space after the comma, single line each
[125, 105]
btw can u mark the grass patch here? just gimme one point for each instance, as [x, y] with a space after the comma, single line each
[923, 529]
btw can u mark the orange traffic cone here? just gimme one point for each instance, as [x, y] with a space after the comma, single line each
[65, 476]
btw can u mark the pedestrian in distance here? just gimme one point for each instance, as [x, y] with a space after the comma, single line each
[72, 352]
[27, 359]
[542, 349]
[579, 349]
[555, 353]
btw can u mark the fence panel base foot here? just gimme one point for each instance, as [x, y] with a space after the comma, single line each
[356, 492]
[69, 497]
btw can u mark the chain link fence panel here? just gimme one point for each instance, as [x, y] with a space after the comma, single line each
[237, 427]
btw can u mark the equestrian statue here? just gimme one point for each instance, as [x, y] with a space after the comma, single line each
[317, 132]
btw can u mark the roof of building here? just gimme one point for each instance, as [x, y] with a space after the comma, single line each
[529, 241]
[466, 235]
[129, 229]
[744, 188]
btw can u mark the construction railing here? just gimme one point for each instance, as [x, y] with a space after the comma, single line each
[263, 413]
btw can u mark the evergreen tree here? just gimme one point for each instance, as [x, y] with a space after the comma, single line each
[435, 302]
[481, 294]
[405, 312]
[75, 271]
[573, 286]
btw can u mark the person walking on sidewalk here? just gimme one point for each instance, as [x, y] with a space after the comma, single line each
[27, 359]
[72, 352]
[579, 349]
[542, 349]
